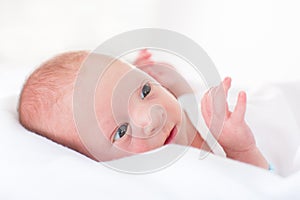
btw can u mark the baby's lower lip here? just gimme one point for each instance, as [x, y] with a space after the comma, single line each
[172, 135]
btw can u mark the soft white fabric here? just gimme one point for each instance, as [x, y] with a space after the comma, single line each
[33, 167]
[273, 115]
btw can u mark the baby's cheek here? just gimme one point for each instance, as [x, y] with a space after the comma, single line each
[174, 111]
[143, 145]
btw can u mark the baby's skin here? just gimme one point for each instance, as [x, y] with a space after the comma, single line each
[236, 137]
[145, 115]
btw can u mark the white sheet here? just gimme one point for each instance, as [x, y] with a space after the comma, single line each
[33, 167]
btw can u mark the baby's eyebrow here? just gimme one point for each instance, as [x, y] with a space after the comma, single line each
[125, 88]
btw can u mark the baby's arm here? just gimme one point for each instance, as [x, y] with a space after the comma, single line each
[236, 137]
[164, 73]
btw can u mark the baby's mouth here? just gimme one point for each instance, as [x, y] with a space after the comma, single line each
[171, 136]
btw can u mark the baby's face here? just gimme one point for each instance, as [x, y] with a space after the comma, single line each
[135, 113]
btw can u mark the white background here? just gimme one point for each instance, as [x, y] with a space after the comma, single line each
[252, 41]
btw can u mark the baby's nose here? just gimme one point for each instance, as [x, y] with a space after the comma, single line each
[150, 122]
[157, 120]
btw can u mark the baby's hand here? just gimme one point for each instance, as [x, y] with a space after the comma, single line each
[144, 58]
[163, 73]
[236, 137]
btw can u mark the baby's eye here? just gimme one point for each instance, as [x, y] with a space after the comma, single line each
[121, 131]
[145, 90]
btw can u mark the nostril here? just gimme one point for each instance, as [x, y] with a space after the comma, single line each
[150, 130]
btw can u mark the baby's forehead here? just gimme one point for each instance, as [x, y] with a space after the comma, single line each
[116, 69]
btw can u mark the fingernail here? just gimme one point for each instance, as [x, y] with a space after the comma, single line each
[227, 78]
[242, 94]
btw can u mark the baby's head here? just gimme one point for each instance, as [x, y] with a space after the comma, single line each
[133, 112]
[45, 101]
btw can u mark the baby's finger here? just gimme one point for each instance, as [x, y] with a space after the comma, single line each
[226, 85]
[206, 107]
[240, 108]
[144, 56]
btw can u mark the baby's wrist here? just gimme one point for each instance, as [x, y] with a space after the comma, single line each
[252, 156]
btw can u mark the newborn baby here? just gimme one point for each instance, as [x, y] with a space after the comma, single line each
[46, 107]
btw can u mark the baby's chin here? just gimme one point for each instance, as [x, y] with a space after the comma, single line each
[180, 136]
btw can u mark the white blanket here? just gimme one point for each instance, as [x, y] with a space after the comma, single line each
[33, 167]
